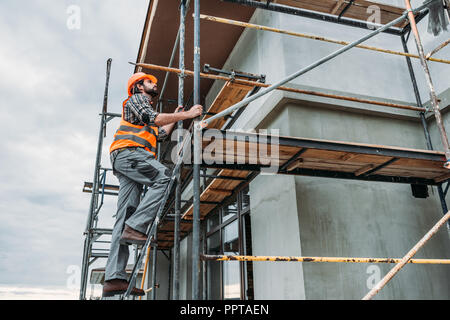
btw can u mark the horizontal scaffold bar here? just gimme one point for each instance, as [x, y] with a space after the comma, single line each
[319, 259]
[283, 88]
[312, 37]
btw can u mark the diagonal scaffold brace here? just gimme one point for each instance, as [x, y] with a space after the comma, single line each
[407, 258]
[433, 96]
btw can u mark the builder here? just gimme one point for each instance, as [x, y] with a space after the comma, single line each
[133, 158]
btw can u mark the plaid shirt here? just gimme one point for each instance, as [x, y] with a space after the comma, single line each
[139, 111]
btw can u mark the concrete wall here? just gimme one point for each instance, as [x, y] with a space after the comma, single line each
[349, 218]
[275, 231]
[357, 72]
[344, 218]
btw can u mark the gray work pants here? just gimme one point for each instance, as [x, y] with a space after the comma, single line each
[134, 167]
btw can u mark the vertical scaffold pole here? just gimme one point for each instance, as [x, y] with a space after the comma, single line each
[95, 185]
[433, 97]
[176, 247]
[197, 161]
[154, 261]
[423, 119]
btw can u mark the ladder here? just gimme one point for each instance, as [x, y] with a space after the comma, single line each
[152, 229]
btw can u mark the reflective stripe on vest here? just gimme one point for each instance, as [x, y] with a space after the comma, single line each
[131, 135]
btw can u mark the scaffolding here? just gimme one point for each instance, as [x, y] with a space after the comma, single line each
[375, 162]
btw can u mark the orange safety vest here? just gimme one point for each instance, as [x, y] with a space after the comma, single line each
[131, 135]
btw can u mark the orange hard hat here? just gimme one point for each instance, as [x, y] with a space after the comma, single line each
[139, 76]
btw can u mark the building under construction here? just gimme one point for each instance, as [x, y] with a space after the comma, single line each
[349, 101]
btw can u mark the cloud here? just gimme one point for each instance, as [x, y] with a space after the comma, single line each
[52, 88]
[37, 293]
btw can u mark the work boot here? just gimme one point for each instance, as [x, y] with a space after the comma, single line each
[118, 286]
[131, 236]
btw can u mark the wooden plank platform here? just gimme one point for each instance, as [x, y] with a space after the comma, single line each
[357, 10]
[297, 154]
[230, 94]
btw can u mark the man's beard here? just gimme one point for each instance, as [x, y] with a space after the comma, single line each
[152, 92]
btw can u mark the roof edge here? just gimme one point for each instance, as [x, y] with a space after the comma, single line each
[145, 32]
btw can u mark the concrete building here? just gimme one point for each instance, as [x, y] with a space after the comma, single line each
[286, 215]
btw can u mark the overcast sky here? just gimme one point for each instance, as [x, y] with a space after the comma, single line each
[51, 87]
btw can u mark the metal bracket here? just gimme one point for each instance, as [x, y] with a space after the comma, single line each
[233, 74]
[109, 119]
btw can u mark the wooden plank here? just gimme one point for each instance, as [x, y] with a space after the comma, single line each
[250, 150]
[364, 169]
[358, 10]
[337, 6]
[408, 172]
[294, 165]
[422, 164]
[230, 94]
[392, 168]
[442, 177]
[219, 191]
[402, 167]
[348, 156]
[169, 226]
[328, 5]
[415, 168]
[253, 137]
[383, 6]
[360, 13]
[337, 157]
[305, 164]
